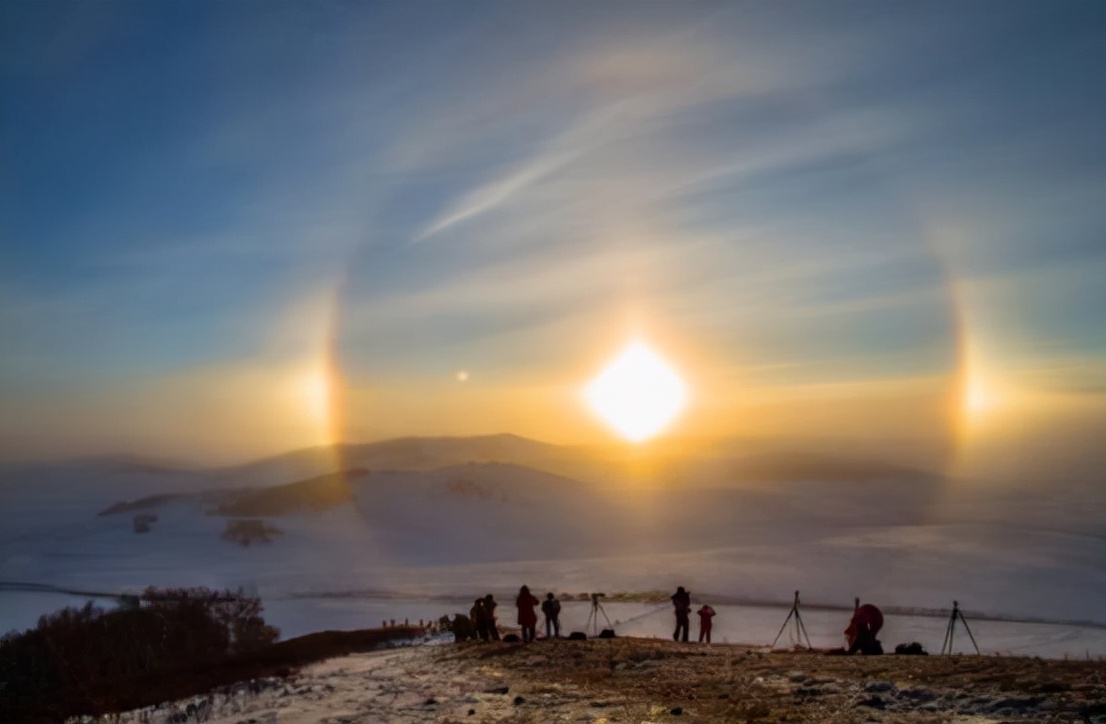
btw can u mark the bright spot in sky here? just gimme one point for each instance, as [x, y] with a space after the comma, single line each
[637, 394]
[462, 376]
[315, 391]
[978, 397]
[980, 393]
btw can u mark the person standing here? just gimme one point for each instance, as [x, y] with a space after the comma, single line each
[681, 601]
[551, 607]
[706, 614]
[489, 617]
[527, 616]
[479, 619]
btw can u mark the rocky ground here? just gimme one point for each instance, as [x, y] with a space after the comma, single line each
[648, 680]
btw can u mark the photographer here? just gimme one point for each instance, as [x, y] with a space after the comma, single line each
[551, 607]
[681, 601]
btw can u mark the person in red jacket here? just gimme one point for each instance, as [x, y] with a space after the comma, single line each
[861, 634]
[527, 616]
[706, 613]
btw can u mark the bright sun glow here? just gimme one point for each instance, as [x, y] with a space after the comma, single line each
[977, 398]
[980, 393]
[315, 389]
[637, 394]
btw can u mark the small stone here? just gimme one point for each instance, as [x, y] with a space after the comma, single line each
[471, 712]
[519, 700]
[873, 702]
[497, 690]
[797, 676]
[677, 711]
[918, 695]
[879, 686]
[1016, 703]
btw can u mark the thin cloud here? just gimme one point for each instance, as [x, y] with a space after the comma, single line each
[498, 192]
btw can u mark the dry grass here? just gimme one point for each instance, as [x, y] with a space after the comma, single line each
[648, 680]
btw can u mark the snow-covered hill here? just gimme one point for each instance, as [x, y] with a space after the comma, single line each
[477, 526]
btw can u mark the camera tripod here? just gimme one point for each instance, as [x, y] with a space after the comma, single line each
[799, 627]
[946, 648]
[593, 616]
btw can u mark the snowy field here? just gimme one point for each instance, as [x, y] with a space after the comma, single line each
[418, 545]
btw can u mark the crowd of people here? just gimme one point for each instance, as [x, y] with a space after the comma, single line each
[485, 626]
[482, 623]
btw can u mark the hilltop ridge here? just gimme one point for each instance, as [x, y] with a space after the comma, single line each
[648, 680]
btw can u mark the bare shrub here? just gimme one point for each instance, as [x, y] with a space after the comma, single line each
[90, 661]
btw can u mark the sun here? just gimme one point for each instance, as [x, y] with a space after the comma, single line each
[637, 394]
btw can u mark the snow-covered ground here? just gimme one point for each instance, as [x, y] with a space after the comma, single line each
[418, 544]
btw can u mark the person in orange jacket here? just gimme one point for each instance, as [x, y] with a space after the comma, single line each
[706, 613]
[527, 616]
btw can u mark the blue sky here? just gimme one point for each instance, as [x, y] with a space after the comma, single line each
[204, 205]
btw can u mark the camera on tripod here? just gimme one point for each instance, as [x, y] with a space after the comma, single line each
[596, 610]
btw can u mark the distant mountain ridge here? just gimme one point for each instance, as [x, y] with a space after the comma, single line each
[405, 453]
[717, 466]
[585, 463]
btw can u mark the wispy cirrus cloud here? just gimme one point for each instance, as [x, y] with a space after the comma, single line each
[758, 185]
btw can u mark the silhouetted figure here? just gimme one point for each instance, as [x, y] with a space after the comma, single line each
[681, 601]
[706, 613]
[489, 617]
[479, 619]
[462, 628]
[551, 607]
[527, 616]
[866, 622]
